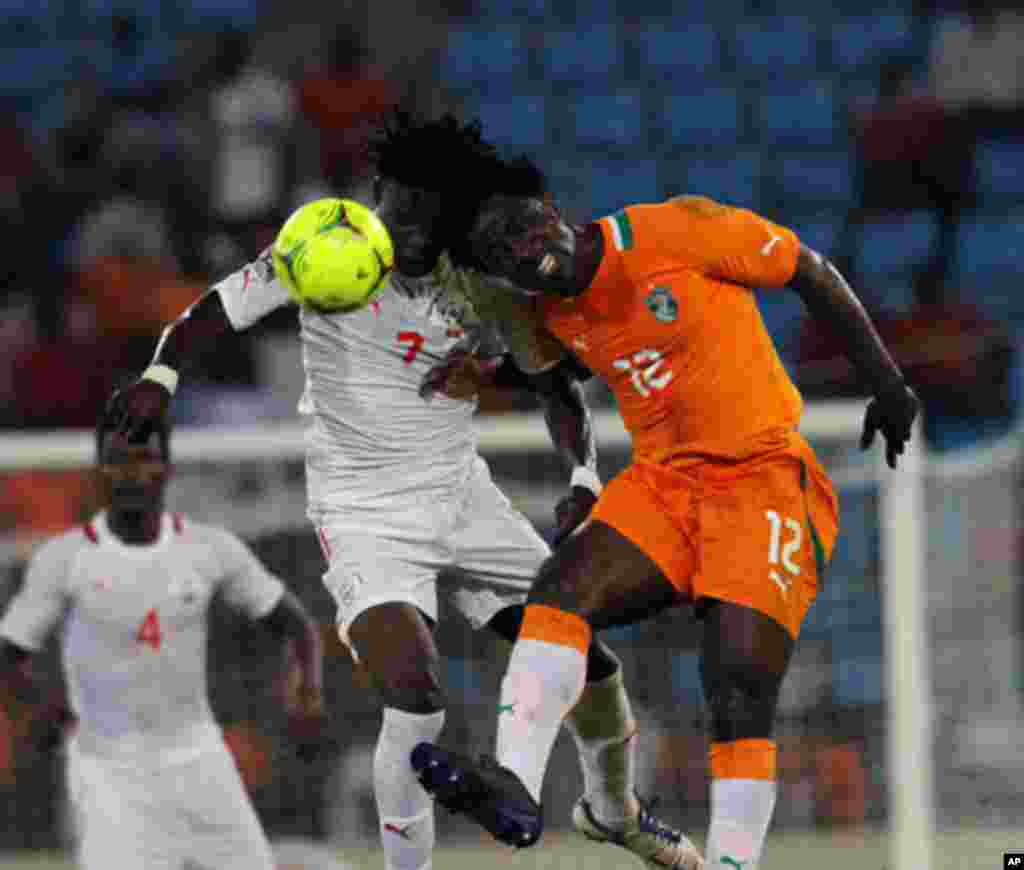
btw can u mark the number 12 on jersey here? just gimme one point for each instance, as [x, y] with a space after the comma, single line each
[149, 632]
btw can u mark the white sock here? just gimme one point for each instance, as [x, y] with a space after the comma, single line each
[603, 727]
[405, 810]
[741, 810]
[542, 684]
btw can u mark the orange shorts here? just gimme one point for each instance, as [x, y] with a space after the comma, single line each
[756, 533]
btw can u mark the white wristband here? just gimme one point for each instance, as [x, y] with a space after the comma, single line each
[587, 478]
[163, 375]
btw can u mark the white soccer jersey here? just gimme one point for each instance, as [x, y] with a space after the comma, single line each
[135, 629]
[374, 441]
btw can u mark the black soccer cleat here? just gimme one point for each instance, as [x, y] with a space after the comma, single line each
[491, 795]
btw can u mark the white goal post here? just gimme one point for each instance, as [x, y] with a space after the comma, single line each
[903, 547]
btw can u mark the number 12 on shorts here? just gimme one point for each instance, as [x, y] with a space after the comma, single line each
[781, 552]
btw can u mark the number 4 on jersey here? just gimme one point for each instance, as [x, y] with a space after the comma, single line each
[149, 632]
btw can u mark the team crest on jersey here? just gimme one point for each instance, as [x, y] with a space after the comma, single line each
[662, 304]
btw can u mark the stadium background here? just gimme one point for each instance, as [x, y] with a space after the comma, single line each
[149, 147]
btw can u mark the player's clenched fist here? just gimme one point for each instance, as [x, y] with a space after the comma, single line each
[136, 409]
[892, 413]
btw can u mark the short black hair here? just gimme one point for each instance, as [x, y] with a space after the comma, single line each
[453, 158]
[107, 425]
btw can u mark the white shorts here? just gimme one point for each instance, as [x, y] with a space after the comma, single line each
[192, 813]
[376, 558]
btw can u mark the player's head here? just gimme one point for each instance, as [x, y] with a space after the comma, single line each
[133, 473]
[527, 242]
[432, 177]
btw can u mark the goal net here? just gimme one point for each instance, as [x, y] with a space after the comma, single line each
[899, 728]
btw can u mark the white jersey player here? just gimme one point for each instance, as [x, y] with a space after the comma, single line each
[151, 780]
[397, 491]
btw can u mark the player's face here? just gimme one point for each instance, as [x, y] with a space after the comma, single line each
[413, 217]
[135, 475]
[528, 245]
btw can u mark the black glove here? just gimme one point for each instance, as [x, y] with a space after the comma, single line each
[571, 510]
[135, 410]
[891, 413]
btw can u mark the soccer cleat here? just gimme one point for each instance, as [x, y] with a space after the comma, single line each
[485, 791]
[657, 844]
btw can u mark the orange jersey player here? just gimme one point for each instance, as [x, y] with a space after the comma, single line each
[724, 505]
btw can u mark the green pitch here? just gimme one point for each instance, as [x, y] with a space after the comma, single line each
[955, 850]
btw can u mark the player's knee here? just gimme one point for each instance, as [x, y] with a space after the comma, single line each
[741, 707]
[411, 687]
[557, 584]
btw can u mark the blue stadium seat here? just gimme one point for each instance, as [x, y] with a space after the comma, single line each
[218, 14]
[592, 54]
[686, 686]
[999, 168]
[814, 178]
[620, 119]
[862, 42]
[517, 120]
[990, 248]
[858, 681]
[891, 251]
[823, 233]
[782, 313]
[31, 73]
[734, 179]
[712, 116]
[680, 52]
[775, 45]
[611, 184]
[803, 115]
[490, 56]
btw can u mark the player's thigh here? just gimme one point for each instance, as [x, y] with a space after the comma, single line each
[223, 830]
[765, 536]
[120, 818]
[605, 577]
[496, 550]
[368, 567]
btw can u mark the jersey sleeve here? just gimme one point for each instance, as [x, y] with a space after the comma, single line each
[246, 583]
[731, 244]
[41, 602]
[252, 292]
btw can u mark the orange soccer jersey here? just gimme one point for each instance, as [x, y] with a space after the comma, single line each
[723, 494]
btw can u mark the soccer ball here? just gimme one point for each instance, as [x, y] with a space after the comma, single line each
[332, 255]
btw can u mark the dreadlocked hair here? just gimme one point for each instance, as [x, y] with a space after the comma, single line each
[454, 158]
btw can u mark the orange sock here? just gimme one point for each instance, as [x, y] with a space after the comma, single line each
[753, 758]
[551, 625]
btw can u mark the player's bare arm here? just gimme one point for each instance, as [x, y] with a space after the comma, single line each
[50, 716]
[290, 622]
[133, 409]
[830, 298]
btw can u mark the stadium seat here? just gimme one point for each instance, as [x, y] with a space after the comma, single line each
[675, 53]
[711, 116]
[782, 313]
[734, 179]
[687, 689]
[858, 681]
[862, 42]
[896, 247]
[31, 73]
[217, 14]
[773, 46]
[611, 184]
[804, 115]
[823, 233]
[590, 55]
[620, 119]
[813, 178]
[989, 248]
[999, 169]
[517, 120]
[484, 57]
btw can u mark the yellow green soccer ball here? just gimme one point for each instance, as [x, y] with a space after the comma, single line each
[333, 255]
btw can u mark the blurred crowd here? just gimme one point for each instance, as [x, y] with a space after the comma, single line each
[133, 183]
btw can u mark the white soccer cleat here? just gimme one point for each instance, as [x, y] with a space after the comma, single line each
[654, 842]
